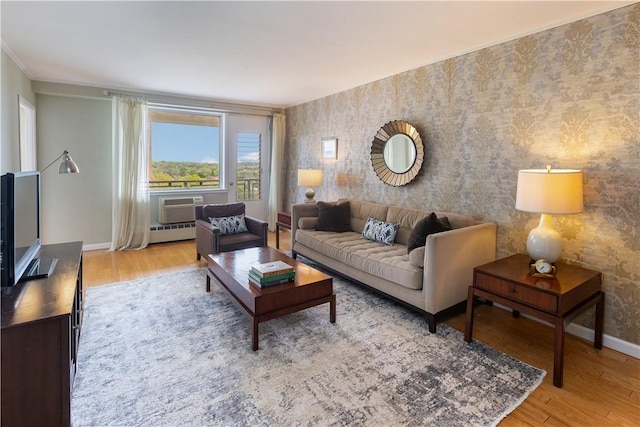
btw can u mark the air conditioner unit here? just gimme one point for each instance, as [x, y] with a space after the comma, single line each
[179, 209]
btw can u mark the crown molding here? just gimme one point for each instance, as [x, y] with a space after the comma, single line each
[15, 59]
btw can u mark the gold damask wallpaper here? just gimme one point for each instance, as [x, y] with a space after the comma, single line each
[568, 97]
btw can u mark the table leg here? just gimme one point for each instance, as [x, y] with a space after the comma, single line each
[597, 339]
[332, 309]
[277, 236]
[254, 337]
[558, 353]
[208, 283]
[468, 323]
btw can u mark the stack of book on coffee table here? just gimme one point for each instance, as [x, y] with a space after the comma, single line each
[271, 273]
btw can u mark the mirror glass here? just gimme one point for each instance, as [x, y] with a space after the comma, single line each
[399, 153]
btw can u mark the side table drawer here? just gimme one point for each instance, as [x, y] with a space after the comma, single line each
[284, 218]
[512, 291]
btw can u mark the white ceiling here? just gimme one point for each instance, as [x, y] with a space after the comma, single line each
[260, 53]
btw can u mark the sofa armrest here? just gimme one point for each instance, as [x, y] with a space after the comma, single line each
[449, 260]
[258, 227]
[303, 210]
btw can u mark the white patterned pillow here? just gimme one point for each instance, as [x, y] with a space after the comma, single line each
[230, 224]
[379, 231]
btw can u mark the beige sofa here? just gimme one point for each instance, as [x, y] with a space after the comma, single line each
[432, 279]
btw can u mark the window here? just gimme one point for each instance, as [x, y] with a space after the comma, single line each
[185, 149]
[248, 166]
[27, 135]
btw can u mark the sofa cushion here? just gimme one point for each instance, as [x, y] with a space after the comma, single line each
[333, 217]
[380, 231]
[424, 227]
[388, 262]
[416, 256]
[307, 222]
[230, 224]
[361, 211]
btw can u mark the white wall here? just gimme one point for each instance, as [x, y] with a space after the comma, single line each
[13, 83]
[77, 206]
[78, 119]
[74, 207]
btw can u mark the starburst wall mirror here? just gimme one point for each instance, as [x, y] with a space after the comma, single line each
[397, 153]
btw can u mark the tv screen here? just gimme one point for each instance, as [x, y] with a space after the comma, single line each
[20, 224]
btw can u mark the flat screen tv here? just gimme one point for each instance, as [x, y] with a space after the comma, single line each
[20, 211]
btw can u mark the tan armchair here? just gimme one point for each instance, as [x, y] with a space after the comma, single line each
[210, 241]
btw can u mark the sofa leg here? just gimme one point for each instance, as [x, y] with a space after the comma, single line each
[431, 320]
[294, 255]
[198, 256]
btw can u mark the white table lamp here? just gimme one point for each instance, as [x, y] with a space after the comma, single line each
[548, 192]
[310, 178]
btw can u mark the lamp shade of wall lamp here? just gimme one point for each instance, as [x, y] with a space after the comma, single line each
[66, 166]
[548, 192]
[310, 178]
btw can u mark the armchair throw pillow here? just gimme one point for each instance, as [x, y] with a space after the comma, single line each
[380, 231]
[332, 217]
[429, 225]
[230, 224]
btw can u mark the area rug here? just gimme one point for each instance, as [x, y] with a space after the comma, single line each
[163, 352]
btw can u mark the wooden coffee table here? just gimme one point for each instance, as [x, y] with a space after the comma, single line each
[310, 287]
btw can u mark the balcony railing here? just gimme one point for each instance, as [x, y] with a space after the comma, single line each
[247, 188]
[205, 183]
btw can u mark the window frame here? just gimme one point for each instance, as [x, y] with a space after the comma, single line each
[195, 111]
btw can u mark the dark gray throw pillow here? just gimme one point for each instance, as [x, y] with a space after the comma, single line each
[429, 225]
[334, 217]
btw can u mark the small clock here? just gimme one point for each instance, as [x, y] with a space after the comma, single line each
[542, 268]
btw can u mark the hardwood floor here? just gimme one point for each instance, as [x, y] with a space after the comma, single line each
[601, 387]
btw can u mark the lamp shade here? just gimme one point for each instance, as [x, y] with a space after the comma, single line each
[549, 191]
[68, 165]
[310, 177]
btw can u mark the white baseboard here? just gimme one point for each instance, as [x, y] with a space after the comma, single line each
[628, 348]
[96, 246]
[625, 347]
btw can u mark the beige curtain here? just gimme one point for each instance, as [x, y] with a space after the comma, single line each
[276, 180]
[130, 214]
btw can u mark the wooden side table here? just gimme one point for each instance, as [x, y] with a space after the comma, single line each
[284, 221]
[557, 300]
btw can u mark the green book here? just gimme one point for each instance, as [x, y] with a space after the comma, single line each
[279, 278]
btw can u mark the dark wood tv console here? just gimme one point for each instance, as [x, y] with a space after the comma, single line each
[41, 322]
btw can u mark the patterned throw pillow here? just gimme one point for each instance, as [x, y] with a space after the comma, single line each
[379, 231]
[230, 224]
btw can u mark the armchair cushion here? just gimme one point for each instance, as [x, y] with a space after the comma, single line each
[229, 224]
[220, 210]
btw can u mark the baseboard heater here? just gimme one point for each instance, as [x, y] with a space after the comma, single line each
[172, 232]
